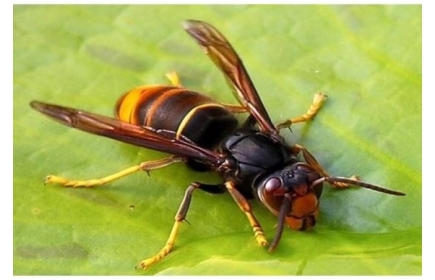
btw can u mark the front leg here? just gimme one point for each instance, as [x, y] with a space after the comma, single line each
[246, 208]
[315, 106]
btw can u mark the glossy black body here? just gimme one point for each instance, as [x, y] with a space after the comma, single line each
[252, 155]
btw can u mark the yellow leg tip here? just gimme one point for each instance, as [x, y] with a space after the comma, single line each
[262, 241]
[150, 261]
[318, 100]
[142, 265]
[51, 179]
[260, 237]
[173, 78]
[319, 97]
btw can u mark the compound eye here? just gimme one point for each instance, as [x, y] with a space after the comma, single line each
[271, 193]
[274, 186]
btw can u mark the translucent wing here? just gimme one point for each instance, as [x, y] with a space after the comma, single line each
[226, 59]
[164, 141]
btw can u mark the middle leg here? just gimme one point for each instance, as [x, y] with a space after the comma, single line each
[179, 218]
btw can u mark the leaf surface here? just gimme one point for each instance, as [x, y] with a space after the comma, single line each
[367, 59]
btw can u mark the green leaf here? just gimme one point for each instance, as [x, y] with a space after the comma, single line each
[367, 59]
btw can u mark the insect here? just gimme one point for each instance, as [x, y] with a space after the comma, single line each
[252, 158]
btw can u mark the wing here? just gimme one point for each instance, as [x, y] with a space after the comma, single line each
[146, 137]
[226, 59]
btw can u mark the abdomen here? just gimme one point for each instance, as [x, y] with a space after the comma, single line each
[187, 113]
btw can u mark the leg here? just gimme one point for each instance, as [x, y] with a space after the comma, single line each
[179, 218]
[309, 158]
[182, 212]
[173, 78]
[245, 207]
[144, 166]
[317, 103]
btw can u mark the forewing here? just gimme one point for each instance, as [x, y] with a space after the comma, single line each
[227, 60]
[146, 137]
